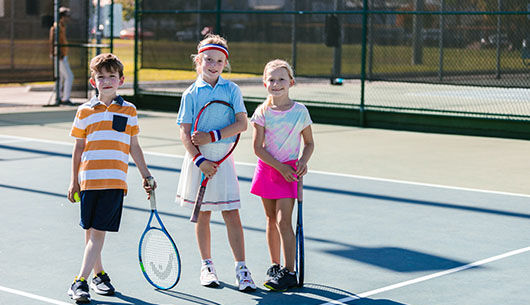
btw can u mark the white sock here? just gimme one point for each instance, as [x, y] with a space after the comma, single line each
[206, 262]
[240, 265]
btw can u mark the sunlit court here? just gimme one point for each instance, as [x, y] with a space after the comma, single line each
[408, 121]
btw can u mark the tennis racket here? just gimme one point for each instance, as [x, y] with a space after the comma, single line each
[158, 255]
[300, 236]
[215, 115]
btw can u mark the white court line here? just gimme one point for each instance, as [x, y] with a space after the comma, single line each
[312, 171]
[11, 141]
[39, 140]
[428, 277]
[32, 296]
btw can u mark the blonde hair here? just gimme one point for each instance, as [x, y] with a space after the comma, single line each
[209, 39]
[271, 66]
[107, 61]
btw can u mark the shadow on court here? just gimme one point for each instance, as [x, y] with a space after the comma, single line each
[367, 301]
[187, 297]
[402, 200]
[126, 300]
[37, 117]
[391, 258]
[316, 293]
[396, 259]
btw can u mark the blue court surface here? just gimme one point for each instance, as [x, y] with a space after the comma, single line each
[368, 241]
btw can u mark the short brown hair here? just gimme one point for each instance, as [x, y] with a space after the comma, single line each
[108, 61]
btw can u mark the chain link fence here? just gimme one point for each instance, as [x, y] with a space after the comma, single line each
[439, 56]
[24, 33]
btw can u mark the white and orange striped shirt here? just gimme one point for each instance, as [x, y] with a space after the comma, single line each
[108, 132]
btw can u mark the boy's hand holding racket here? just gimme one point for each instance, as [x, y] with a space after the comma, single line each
[149, 185]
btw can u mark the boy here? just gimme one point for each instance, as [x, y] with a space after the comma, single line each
[106, 130]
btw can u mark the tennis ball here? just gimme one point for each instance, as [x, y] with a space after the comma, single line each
[76, 197]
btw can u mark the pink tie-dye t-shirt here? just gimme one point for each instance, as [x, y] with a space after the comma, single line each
[283, 130]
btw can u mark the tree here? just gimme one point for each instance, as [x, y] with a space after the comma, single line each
[128, 8]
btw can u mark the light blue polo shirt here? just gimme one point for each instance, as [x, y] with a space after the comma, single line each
[200, 93]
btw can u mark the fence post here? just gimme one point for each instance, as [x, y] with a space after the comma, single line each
[371, 42]
[57, 58]
[417, 34]
[218, 18]
[136, 16]
[337, 50]
[294, 36]
[112, 26]
[12, 35]
[98, 27]
[363, 61]
[498, 55]
[441, 42]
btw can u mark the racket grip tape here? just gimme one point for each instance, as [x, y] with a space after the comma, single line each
[198, 203]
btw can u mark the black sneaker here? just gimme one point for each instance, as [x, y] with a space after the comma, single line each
[79, 291]
[282, 281]
[272, 271]
[101, 284]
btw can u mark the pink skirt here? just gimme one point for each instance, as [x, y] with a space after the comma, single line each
[269, 183]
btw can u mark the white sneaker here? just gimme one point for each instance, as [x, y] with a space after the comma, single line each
[208, 276]
[244, 280]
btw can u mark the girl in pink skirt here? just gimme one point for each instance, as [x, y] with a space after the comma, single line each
[279, 124]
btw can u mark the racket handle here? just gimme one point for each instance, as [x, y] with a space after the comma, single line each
[300, 189]
[198, 203]
[152, 198]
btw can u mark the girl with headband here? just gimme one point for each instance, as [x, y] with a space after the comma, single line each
[222, 192]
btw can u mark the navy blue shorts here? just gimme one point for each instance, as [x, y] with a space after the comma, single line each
[101, 209]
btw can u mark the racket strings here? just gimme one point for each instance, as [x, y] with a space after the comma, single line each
[160, 260]
[215, 151]
[216, 117]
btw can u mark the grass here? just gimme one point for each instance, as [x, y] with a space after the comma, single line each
[124, 49]
[315, 59]
[312, 59]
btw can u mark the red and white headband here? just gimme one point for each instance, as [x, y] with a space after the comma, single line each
[212, 46]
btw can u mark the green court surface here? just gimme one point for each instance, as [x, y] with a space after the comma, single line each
[390, 218]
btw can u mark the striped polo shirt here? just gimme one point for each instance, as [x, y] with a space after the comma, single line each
[108, 132]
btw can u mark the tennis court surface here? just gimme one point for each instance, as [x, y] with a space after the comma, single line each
[390, 218]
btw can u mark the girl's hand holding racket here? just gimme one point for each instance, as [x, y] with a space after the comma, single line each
[149, 185]
[301, 168]
[209, 168]
[200, 138]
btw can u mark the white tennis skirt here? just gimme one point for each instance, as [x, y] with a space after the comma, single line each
[222, 190]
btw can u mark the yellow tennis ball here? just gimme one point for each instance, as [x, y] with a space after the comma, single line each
[76, 197]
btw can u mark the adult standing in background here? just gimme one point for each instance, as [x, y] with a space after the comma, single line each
[66, 76]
